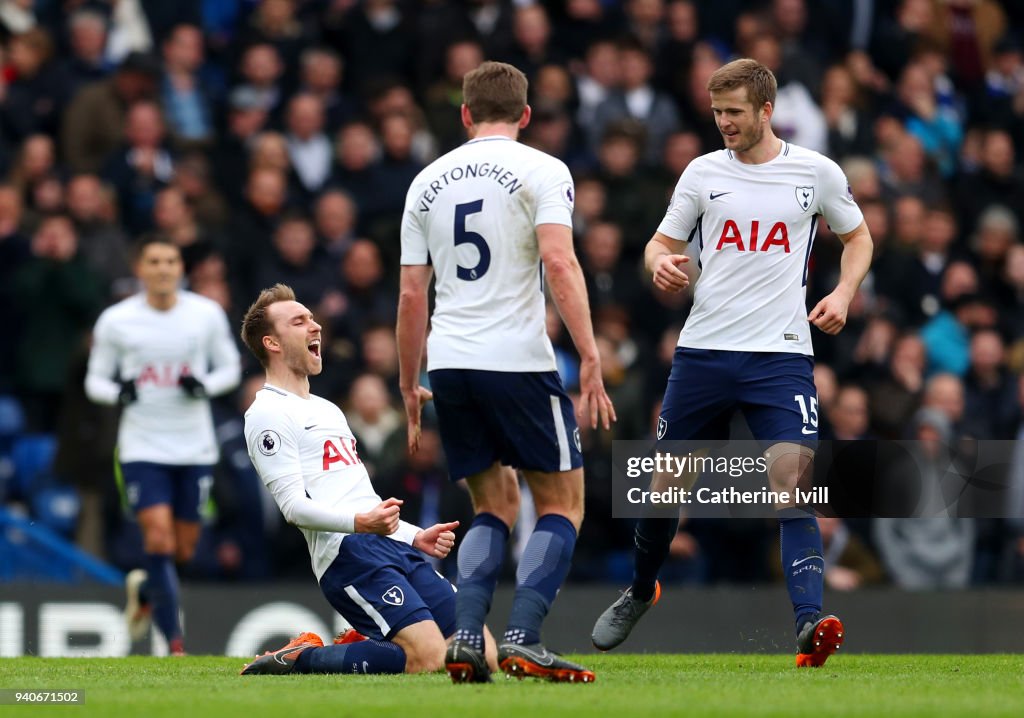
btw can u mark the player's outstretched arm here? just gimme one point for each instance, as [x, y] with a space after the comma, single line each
[568, 289]
[664, 259]
[100, 386]
[829, 315]
[436, 541]
[411, 334]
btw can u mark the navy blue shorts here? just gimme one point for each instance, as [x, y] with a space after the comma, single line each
[523, 420]
[774, 390]
[186, 489]
[381, 585]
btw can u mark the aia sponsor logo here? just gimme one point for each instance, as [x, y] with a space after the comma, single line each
[755, 239]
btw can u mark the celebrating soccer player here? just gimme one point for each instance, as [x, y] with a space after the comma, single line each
[370, 564]
[484, 219]
[753, 209]
[160, 354]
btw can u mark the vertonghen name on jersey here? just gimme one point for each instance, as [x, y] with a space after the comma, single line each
[498, 173]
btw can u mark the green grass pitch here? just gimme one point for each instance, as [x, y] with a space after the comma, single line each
[627, 685]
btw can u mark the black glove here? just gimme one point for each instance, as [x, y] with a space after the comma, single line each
[192, 386]
[128, 393]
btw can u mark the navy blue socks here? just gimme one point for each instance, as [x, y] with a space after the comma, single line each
[542, 569]
[161, 590]
[803, 564]
[480, 558]
[652, 539]
[361, 657]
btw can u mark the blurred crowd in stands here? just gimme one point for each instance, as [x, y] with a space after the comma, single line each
[274, 140]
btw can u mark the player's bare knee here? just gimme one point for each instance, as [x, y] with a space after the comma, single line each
[788, 465]
[159, 542]
[496, 491]
[426, 655]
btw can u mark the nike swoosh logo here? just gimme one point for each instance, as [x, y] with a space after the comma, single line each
[809, 558]
[713, 196]
[311, 426]
[545, 659]
[806, 432]
[282, 654]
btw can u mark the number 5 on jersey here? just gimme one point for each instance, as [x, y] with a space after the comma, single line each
[346, 454]
[464, 236]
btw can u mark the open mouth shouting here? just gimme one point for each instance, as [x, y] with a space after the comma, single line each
[314, 347]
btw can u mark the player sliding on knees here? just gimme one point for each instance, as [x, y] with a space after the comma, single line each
[370, 564]
[753, 207]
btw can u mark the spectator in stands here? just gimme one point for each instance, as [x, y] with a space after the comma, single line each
[261, 70]
[369, 294]
[444, 96]
[931, 550]
[321, 73]
[94, 121]
[378, 426]
[186, 100]
[990, 392]
[59, 297]
[895, 396]
[87, 31]
[175, 220]
[101, 242]
[39, 90]
[636, 99]
[997, 182]
[850, 415]
[252, 226]
[247, 115]
[141, 167]
[294, 262]
[846, 116]
[308, 146]
[356, 170]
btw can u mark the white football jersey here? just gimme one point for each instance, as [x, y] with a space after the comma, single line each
[754, 226]
[133, 340]
[472, 214]
[305, 452]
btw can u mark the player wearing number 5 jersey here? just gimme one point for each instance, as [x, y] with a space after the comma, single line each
[752, 209]
[491, 220]
[370, 564]
[159, 354]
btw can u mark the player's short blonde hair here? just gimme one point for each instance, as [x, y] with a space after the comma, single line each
[751, 74]
[256, 324]
[495, 92]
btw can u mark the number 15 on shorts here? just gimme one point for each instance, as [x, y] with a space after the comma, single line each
[809, 411]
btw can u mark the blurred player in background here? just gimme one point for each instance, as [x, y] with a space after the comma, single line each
[370, 564]
[160, 354]
[491, 219]
[753, 209]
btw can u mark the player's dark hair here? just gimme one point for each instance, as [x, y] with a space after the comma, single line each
[149, 239]
[256, 324]
[495, 92]
[751, 74]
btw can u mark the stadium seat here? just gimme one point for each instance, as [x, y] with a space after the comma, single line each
[32, 456]
[57, 507]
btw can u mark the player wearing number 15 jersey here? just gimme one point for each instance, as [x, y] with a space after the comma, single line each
[752, 209]
[490, 219]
